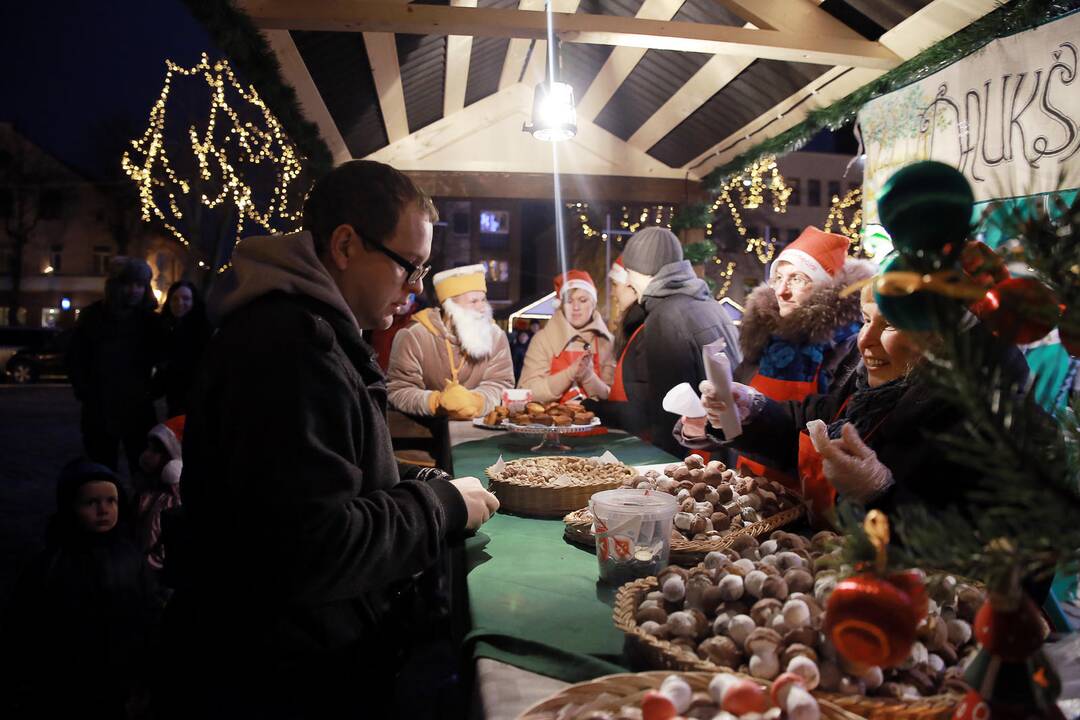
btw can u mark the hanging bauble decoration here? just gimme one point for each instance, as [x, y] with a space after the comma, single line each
[1013, 632]
[1019, 310]
[982, 264]
[926, 207]
[871, 618]
[904, 304]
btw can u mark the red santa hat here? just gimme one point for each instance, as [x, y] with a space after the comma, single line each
[171, 436]
[618, 272]
[818, 254]
[575, 279]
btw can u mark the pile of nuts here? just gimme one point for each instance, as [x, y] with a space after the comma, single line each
[713, 498]
[556, 471]
[759, 608]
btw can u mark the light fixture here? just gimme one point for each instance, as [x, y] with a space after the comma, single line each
[553, 117]
[48, 270]
[65, 303]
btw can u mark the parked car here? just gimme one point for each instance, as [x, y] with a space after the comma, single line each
[39, 354]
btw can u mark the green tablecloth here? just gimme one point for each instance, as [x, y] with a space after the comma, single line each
[535, 599]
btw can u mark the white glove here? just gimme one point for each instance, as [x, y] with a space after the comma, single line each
[479, 503]
[745, 398]
[850, 465]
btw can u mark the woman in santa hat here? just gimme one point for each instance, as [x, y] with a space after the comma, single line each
[572, 356]
[797, 330]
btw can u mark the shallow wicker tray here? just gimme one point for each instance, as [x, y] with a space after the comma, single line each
[647, 650]
[629, 688]
[549, 501]
[578, 529]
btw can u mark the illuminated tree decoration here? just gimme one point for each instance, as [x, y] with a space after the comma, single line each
[234, 171]
[747, 191]
[631, 219]
[838, 213]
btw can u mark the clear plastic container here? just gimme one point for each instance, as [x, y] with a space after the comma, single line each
[633, 532]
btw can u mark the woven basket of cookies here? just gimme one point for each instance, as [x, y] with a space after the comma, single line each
[716, 506]
[652, 695]
[552, 486]
[759, 608]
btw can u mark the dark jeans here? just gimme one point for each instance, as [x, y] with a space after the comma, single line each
[102, 444]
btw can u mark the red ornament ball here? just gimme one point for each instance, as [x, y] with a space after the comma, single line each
[1019, 310]
[871, 620]
[1014, 635]
[972, 707]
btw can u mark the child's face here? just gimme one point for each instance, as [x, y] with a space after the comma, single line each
[153, 458]
[97, 506]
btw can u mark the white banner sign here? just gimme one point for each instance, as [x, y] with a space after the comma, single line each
[1007, 116]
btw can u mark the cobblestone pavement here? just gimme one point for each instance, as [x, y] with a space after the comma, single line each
[39, 432]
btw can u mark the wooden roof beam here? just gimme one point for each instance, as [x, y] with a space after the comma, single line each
[344, 16]
[385, 69]
[458, 52]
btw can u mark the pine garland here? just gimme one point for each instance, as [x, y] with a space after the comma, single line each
[1006, 20]
[234, 32]
[699, 252]
[695, 215]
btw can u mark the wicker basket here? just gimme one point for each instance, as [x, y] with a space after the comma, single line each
[684, 552]
[629, 688]
[550, 501]
[649, 651]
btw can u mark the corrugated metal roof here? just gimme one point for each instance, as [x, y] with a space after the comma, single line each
[581, 63]
[660, 74]
[422, 59]
[624, 8]
[486, 58]
[338, 65]
[753, 91]
[888, 13]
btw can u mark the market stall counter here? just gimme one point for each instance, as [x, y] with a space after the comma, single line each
[535, 600]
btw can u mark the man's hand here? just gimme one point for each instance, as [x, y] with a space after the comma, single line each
[481, 504]
[850, 465]
[743, 395]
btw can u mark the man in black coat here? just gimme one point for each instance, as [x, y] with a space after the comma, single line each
[305, 536]
[681, 317]
[115, 345]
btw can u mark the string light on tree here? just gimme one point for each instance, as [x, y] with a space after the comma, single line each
[747, 191]
[235, 160]
[851, 228]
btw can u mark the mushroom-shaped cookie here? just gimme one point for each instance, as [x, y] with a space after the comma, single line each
[762, 644]
[721, 651]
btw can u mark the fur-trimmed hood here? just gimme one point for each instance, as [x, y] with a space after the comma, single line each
[813, 322]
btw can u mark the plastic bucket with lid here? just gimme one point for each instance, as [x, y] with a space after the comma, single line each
[633, 532]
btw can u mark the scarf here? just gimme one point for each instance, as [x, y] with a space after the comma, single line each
[868, 406]
[800, 361]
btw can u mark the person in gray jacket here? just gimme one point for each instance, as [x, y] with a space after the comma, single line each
[681, 317]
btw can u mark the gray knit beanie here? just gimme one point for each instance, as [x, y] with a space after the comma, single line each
[123, 268]
[651, 249]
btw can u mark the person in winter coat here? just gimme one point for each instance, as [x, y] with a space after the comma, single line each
[797, 330]
[870, 438]
[680, 318]
[114, 348]
[305, 535]
[455, 362]
[76, 638]
[571, 358]
[188, 330]
[162, 465]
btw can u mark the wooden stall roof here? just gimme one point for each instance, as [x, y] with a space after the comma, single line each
[666, 89]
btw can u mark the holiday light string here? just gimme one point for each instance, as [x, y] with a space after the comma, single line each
[242, 142]
[661, 215]
[749, 188]
[851, 229]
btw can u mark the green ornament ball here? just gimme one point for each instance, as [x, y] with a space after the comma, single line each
[926, 207]
[922, 310]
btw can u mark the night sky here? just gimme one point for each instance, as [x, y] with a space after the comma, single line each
[79, 77]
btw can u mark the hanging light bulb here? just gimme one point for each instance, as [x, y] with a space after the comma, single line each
[554, 117]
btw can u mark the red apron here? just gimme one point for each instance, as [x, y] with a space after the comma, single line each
[815, 489]
[568, 358]
[780, 391]
[618, 391]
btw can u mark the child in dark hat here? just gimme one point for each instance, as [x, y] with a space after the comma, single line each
[76, 635]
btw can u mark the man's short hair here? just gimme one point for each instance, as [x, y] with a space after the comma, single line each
[365, 194]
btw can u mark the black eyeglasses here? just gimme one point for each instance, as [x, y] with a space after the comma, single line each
[416, 273]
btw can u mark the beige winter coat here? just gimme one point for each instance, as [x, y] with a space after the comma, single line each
[559, 335]
[419, 365]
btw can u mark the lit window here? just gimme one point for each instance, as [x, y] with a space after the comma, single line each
[49, 316]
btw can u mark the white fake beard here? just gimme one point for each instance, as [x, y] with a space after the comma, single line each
[473, 329]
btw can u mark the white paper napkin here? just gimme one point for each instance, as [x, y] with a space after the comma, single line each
[682, 400]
